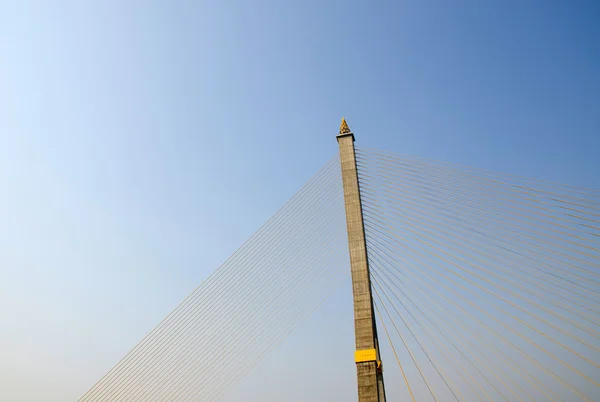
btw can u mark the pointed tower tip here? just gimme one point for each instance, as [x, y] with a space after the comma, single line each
[344, 129]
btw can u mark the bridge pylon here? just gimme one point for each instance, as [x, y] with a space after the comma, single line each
[367, 356]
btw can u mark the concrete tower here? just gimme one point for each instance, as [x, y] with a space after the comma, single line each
[368, 363]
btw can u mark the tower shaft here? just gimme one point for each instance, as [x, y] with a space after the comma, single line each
[368, 364]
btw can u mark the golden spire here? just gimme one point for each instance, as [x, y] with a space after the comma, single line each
[344, 129]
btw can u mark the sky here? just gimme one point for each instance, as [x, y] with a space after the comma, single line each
[142, 142]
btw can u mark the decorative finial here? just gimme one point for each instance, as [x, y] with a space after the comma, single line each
[344, 129]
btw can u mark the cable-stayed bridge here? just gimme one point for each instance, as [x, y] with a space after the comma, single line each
[468, 285]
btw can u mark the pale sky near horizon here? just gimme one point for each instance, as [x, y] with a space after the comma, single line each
[142, 142]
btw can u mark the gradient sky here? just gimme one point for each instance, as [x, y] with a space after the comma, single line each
[141, 142]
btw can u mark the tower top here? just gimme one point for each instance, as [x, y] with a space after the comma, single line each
[344, 129]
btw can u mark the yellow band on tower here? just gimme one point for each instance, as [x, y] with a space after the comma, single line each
[366, 355]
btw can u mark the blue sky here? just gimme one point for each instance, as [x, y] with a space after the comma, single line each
[142, 142]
